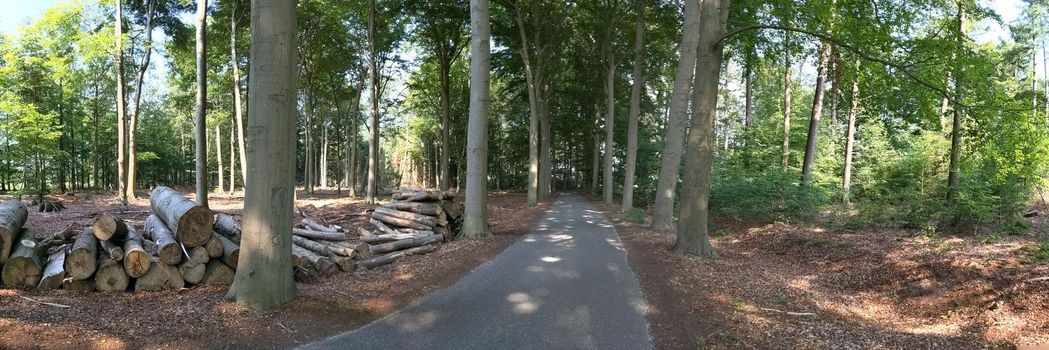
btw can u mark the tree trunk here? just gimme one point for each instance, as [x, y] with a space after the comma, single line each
[113, 250]
[786, 100]
[13, 215]
[814, 120]
[323, 173]
[191, 223]
[218, 158]
[607, 186]
[424, 208]
[122, 161]
[692, 230]
[168, 250]
[227, 226]
[533, 113]
[136, 259]
[232, 162]
[373, 141]
[545, 164]
[954, 167]
[24, 267]
[200, 114]
[663, 213]
[132, 129]
[351, 165]
[635, 108]
[237, 104]
[850, 136]
[316, 247]
[595, 157]
[748, 86]
[444, 65]
[264, 280]
[419, 218]
[82, 259]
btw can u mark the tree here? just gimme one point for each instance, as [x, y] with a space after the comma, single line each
[954, 167]
[638, 78]
[122, 161]
[200, 114]
[850, 134]
[673, 141]
[475, 221]
[692, 231]
[609, 61]
[133, 120]
[264, 272]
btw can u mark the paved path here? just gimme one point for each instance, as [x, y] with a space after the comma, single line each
[564, 285]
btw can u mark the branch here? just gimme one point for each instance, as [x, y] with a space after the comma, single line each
[899, 67]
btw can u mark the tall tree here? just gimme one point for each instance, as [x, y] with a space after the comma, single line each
[373, 77]
[673, 141]
[635, 107]
[200, 114]
[692, 231]
[137, 106]
[122, 161]
[786, 99]
[237, 104]
[264, 273]
[850, 134]
[475, 219]
[954, 167]
[814, 119]
[608, 49]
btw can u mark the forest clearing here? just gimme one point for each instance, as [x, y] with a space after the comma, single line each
[524, 174]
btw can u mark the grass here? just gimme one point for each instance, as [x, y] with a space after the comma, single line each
[1041, 252]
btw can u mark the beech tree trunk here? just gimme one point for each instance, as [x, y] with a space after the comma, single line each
[122, 161]
[533, 113]
[133, 120]
[168, 250]
[232, 163]
[237, 104]
[110, 276]
[607, 186]
[191, 223]
[814, 120]
[230, 252]
[850, 136]
[13, 215]
[217, 273]
[635, 108]
[160, 277]
[227, 226]
[200, 114]
[351, 162]
[673, 142]
[264, 274]
[373, 141]
[954, 167]
[692, 234]
[475, 221]
[786, 100]
[218, 158]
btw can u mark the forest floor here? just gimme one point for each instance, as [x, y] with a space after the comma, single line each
[200, 318]
[862, 289]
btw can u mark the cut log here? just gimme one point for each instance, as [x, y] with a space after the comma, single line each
[191, 224]
[66, 236]
[319, 248]
[113, 250]
[13, 215]
[168, 250]
[363, 232]
[362, 250]
[25, 266]
[160, 277]
[400, 222]
[192, 272]
[217, 273]
[230, 252]
[83, 256]
[405, 243]
[442, 230]
[453, 209]
[214, 246]
[86, 285]
[110, 276]
[419, 196]
[197, 255]
[108, 227]
[424, 208]
[426, 249]
[377, 239]
[339, 249]
[318, 226]
[343, 263]
[227, 226]
[136, 259]
[381, 227]
[380, 260]
[50, 205]
[54, 271]
[328, 236]
[321, 265]
[407, 215]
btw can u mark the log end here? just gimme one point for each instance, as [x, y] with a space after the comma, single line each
[195, 226]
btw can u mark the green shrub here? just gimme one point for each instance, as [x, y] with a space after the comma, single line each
[1041, 252]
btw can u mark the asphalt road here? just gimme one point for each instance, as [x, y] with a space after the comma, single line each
[564, 285]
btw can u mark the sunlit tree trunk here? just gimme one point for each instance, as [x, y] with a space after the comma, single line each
[232, 162]
[673, 142]
[238, 113]
[814, 119]
[132, 164]
[748, 86]
[850, 135]
[475, 219]
[121, 110]
[533, 113]
[956, 129]
[692, 231]
[635, 107]
[786, 100]
[200, 114]
[264, 272]
[323, 183]
[351, 165]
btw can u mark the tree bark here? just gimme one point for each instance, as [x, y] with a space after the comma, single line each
[663, 213]
[475, 221]
[217, 273]
[168, 250]
[13, 215]
[191, 223]
[82, 259]
[692, 231]
[330, 236]
[264, 277]
[635, 108]
[424, 208]
[405, 243]
[200, 114]
[850, 136]
[232, 162]
[351, 166]
[227, 226]
[54, 271]
[814, 120]
[218, 158]
[133, 120]
[230, 252]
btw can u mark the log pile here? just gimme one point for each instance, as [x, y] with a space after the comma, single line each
[319, 249]
[414, 223]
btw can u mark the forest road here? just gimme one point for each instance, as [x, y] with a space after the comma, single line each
[564, 285]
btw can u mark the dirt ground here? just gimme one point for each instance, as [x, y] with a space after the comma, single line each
[199, 318]
[868, 289]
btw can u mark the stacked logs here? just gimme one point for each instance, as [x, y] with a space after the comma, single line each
[412, 224]
[319, 249]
